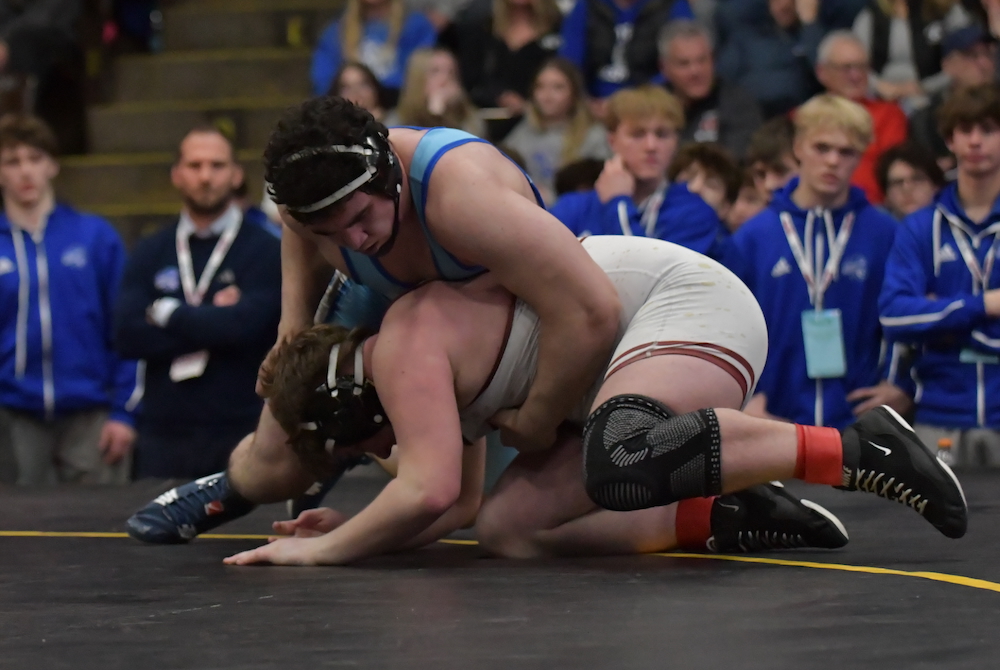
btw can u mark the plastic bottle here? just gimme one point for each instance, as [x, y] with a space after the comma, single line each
[944, 452]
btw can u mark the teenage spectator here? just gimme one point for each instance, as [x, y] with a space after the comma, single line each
[357, 83]
[843, 70]
[200, 303]
[941, 287]
[500, 55]
[65, 397]
[379, 33]
[709, 171]
[558, 128]
[903, 41]
[433, 95]
[441, 13]
[750, 201]
[613, 42]
[578, 176]
[910, 178]
[814, 259]
[771, 155]
[969, 60]
[715, 110]
[774, 55]
[632, 196]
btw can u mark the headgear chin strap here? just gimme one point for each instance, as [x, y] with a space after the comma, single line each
[346, 410]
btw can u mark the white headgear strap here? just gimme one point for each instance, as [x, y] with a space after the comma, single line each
[351, 187]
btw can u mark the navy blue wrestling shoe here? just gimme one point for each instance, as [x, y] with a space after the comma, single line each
[882, 455]
[313, 497]
[766, 517]
[182, 513]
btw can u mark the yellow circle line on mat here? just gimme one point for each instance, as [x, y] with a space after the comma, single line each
[932, 576]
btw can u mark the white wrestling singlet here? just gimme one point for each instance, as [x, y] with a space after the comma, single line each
[674, 301]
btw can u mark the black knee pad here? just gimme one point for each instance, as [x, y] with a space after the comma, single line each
[639, 454]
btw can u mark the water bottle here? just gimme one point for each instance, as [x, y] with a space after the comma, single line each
[944, 452]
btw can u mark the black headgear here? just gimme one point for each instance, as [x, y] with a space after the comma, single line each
[345, 410]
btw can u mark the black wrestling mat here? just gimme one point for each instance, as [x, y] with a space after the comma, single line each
[898, 596]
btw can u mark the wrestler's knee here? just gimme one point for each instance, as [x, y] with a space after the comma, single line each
[499, 536]
[639, 454]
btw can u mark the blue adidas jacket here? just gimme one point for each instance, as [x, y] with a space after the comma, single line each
[57, 297]
[684, 219]
[765, 262]
[931, 300]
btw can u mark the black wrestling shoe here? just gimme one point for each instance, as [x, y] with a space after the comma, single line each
[882, 455]
[182, 513]
[766, 517]
[312, 498]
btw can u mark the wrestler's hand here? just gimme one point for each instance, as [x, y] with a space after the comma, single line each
[280, 551]
[285, 332]
[311, 523]
[882, 394]
[519, 430]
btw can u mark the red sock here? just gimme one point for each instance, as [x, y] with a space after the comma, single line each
[821, 455]
[693, 524]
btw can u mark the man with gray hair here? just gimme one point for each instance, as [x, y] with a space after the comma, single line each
[842, 68]
[715, 110]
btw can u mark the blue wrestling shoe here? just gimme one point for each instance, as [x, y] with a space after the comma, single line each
[182, 513]
[882, 455]
[766, 517]
[312, 498]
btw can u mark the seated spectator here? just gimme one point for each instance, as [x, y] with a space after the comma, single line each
[558, 128]
[903, 41]
[433, 95]
[632, 196]
[357, 83]
[66, 400]
[710, 172]
[909, 177]
[199, 303]
[578, 176]
[774, 55]
[715, 110]
[969, 60]
[941, 288]
[501, 54]
[378, 33]
[771, 156]
[814, 259]
[750, 201]
[441, 13]
[843, 70]
[613, 42]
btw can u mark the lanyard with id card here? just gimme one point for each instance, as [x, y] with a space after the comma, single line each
[192, 365]
[822, 329]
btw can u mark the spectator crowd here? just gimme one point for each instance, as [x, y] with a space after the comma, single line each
[842, 157]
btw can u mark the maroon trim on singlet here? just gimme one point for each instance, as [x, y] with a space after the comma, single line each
[503, 350]
[671, 348]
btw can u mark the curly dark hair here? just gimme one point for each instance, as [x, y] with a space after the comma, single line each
[317, 122]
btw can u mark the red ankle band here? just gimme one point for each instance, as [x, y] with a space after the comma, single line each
[694, 522]
[820, 457]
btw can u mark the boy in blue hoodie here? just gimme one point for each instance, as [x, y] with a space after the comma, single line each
[66, 397]
[632, 195]
[815, 260]
[941, 288]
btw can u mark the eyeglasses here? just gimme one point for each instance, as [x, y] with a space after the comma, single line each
[913, 180]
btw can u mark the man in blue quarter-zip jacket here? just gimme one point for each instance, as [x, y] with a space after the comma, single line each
[942, 289]
[632, 195]
[815, 260]
[65, 395]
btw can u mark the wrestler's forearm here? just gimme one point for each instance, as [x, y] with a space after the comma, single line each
[304, 276]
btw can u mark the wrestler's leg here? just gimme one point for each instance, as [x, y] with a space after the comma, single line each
[264, 469]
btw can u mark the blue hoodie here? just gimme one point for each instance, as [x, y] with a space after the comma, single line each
[930, 299]
[57, 295]
[766, 264]
[684, 218]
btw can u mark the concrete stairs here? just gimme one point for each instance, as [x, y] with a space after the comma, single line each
[233, 63]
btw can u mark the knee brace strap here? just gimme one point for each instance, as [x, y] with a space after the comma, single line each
[639, 454]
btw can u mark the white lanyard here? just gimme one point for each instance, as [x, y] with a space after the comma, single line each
[194, 294]
[651, 209]
[980, 273]
[807, 260]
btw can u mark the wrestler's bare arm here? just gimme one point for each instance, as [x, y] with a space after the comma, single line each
[305, 274]
[535, 257]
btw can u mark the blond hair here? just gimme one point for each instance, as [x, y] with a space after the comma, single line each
[931, 10]
[352, 27]
[832, 112]
[546, 17]
[412, 108]
[639, 104]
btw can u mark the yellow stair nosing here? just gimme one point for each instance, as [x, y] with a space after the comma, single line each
[214, 55]
[141, 158]
[253, 6]
[197, 105]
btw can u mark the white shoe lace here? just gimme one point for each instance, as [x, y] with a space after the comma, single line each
[872, 482]
[762, 540]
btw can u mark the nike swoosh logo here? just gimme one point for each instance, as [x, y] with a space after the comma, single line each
[735, 508]
[885, 450]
